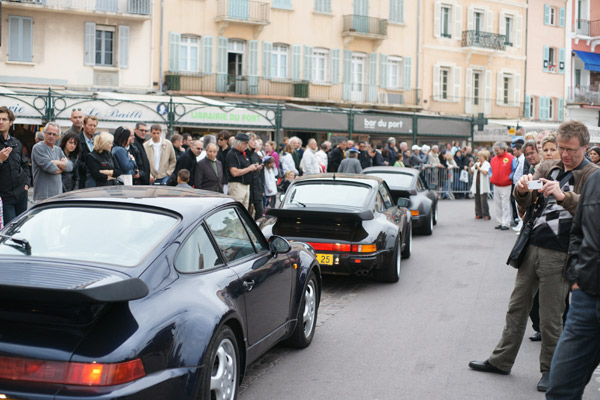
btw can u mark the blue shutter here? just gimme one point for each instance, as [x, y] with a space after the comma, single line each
[174, 46]
[527, 106]
[308, 63]
[253, 68]
[397, 11]
[207, 55]
[561, 111]
[372, 77]
[238, 9]
[296, 62]
[407, 73]
[287, 4]
[541, 108]
[335, 66]
[383, 71]
[89, 44]
[561, 61]
[347, 75]
[546, 14]
[561, 19]
[123, 46]
[221, 64]
[546, 56]
[266, 61]
[323, 6]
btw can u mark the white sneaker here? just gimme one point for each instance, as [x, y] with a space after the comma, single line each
[518, 227]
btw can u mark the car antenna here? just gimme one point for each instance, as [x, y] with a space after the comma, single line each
[334, 176]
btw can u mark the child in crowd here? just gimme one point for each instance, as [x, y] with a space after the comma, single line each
[287, 179]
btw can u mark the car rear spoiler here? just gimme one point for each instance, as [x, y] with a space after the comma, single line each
[320, 213]
[68, 285]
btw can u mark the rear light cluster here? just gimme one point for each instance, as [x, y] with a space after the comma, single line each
[344, 248]
[70, 373]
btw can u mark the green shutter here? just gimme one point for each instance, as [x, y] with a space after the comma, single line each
[372, 77]
[286, 4]
[266, 61]
[335, 66]
[383, 71]
[546, 64]
[308, 63]
[561, 19]
[207, 54]
[561, 61]
[123, 46]
[221, 64]
[89, 53]
[407, 73]
[253, 67]
[347, 75]
[296, 62]
[397, 11]
[174, 45]
[561, 111]
[546, 14]
[527, 106]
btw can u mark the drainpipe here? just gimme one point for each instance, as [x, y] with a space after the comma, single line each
[160, 61]
[418, 50]
[526, 42]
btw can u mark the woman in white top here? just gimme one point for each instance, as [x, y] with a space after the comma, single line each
[481, 185]
[286, 160]
[270, 182]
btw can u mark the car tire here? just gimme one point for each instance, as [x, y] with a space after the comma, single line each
[391, 272]
[307, 315]
[435, 215]
[408, 245]
[428, 227]
[220, 378]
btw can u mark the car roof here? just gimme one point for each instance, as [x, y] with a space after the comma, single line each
[372, 181]
[414, 173]
[181, 200]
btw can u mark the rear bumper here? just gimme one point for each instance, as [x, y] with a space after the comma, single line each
[419, 220]
[352, 263]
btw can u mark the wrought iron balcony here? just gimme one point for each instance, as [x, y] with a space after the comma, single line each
[137, 7]
[243, 11]
[366, 27]
[585, 95]
[586, 27]
[485, 40]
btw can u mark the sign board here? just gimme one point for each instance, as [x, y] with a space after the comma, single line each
[227, 116]
[382, 124]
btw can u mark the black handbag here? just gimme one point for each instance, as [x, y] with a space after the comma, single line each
[520, 248]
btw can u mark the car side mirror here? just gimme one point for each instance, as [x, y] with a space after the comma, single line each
[278, 245]
[403, 202]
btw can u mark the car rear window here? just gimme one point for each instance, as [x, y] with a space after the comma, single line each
[121, 236]
[394, 180]
[321, 193]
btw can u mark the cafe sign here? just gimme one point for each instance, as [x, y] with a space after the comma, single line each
[382, 124]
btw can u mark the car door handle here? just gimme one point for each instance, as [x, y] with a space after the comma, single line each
[248, 285]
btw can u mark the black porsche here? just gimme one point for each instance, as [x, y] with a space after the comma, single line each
[145, 293]
[351, 222]
[407, 183]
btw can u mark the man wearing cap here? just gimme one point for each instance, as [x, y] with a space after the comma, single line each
[350, 165]
[415, 159]
[239, 169]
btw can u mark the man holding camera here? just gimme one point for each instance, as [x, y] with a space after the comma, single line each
[546, 253]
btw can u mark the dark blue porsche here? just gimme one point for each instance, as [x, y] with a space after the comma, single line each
[145, 293]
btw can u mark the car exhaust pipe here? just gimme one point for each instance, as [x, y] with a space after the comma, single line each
[362, 272]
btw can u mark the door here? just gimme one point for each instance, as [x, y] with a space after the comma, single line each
[236, 81]
[358, 79]
[265, 280]
[238, 9]
[361, 16]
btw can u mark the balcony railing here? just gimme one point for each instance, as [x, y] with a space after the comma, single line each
[360, 25]
[586, 27]
[473, 106]
[585, 94]
[486, 40]
[243, 85]
[251, 12]
[141, 7]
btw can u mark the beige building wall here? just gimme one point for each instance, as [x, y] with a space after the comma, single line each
[56, 37]
[469, 73]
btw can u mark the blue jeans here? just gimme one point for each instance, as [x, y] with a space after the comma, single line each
[14, 208]
[161, 181]
[578, 351]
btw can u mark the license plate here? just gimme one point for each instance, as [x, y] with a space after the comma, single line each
[325, 259]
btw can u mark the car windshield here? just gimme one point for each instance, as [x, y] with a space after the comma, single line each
[342, 194]
[120, 236]
[394, 180]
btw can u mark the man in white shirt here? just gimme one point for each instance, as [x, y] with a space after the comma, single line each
[310, 162]
[322, 154]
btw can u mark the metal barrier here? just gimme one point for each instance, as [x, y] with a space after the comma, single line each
[447, 182]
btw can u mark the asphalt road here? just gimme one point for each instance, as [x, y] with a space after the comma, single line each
[413, 339]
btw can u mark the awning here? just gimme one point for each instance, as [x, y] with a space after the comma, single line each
[591, 60]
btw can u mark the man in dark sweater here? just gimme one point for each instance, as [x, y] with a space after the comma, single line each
[141, 158]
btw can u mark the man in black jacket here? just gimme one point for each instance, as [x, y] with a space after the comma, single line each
[141, 158]
[187, 160]
[14, 171]
[335, 157]
[86, 146]
[578, 351]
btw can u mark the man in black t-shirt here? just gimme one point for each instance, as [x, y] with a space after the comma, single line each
[238, 169]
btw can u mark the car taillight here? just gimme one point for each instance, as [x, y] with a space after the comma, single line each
[338, 247]
[80, 374]
[415, 213]
[364, 248]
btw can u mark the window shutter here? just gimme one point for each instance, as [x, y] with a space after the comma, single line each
[502, 23]
[546, 56]
[561, 111]
[518, 31]
[253, 67]
[437, 19]
[296, 62]
[26, 39]
[397, 11]
[347, 75]
[517, 90]
[407, 73]
[174, 46]
[372, 77]
[561, 19]
[561, 60]
[470, 19]
[207, 54]
[401, 11]
[308, 62]
[457, 11]
[383, 71]
[266, 60]
[335, 66]
[546, 14]
[468, 90]
[488, 92]
[499, 87]
[89, 44]
[489, 20]
[221, 63]
[287, 4]
[527, 106]
[547, 115]
[436, 83]
[123, 46]
[456, 71]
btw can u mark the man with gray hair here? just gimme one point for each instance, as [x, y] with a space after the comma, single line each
[48, 162]
[322, 154]
[310, 162]
[500, 177]
[391, 146]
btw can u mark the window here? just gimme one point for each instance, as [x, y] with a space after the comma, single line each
[508, 22]
[478, 21]
[395, 68]
[550, 109]
[397, 11]
[323, 6]
[387, 199]
[551, 61]
[476, 87]
[230, 234]
[446, 21]
[189, 52]
[198, 253]
[286, 4]
[577, 77]
[552, 16]
[20, 39]
[505, 89]
[444, 81]
[105, 43]
[279, 61]
[532, 107]
[320, 65]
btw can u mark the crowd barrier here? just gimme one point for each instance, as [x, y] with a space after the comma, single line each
[449, 183]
